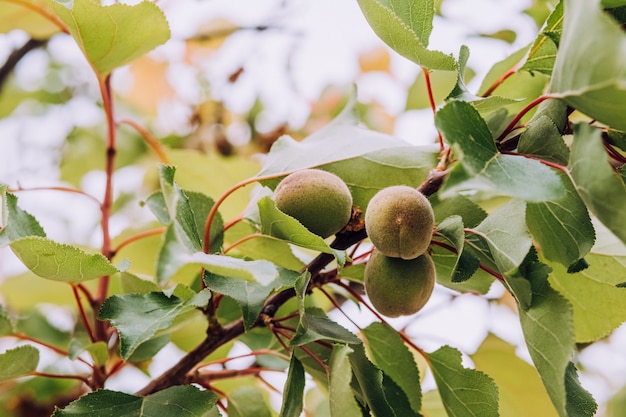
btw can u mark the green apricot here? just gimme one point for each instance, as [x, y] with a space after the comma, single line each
[399, 221]
[398, 287]
[321, 201]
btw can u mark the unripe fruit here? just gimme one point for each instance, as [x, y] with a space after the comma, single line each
[321, 201]
[399, 221]
[399, 287]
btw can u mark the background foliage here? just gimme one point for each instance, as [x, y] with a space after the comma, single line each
[191, 293]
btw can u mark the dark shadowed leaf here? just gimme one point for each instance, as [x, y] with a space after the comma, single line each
[249, 295]
[562, 228]
[177, 401]
[387, 351]
[482, 167]
[139, 317]
[370, 380]
[293, 394]
[600, 187]
[549, 334]
[589, 70]
[340, 395]
[464, 392]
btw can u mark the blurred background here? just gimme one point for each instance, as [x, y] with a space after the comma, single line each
[234, 77]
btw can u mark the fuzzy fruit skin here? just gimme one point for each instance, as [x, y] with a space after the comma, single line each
[318, 199]
[398, 287]
[399, 221]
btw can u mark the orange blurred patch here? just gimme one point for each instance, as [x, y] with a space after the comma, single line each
[377, 59]
[150, 84]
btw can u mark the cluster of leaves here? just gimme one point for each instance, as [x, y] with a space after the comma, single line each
[549, 153]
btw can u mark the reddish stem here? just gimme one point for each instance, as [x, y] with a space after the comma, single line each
[511, 126]
[337, 306]
[500, 80]
[43, 12]
[433, 105]
[243, 240]
[22, 336]
[137, 237]
[149, 138]
[485, 268]
[107, 202]
[63, 189]
[614, 154]
[83, 315]
[222, 198]
[543, 161]
[116, 367]
[61, 376]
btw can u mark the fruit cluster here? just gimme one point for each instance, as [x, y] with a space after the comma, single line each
[400, 274]
[399, 220]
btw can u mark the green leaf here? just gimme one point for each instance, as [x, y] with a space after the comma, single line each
[139, 317]
[500, 68]
[505, 236]
[191, 205]
[590, 67]
[442, 82]
[452, 230]
[549, 334]
[260, 271]
[132, 283]
[482, 167]
[175, 401]
[115, 35]
[282, 226]
[17, 362]
[248, 401]
[520, 390]
[405, 26]
[16, 222]
[562, 228]
[60, 262]
[293, 394]
[446, 264]
[340, 395]
[542, 137]
[464, 392]
[314, 325]
[370, 381]
[98, 351]
[179, 209]
[598, 305]
[6, 324]
[249, 295]
[579, 402]
[543, 140]
[387, 351]
[595, 180]
[277, 251]
[543, 51]
[340, 140]
[460, 92]
[368, 173]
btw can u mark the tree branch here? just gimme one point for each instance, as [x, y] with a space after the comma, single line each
[219, 335]
[16, 56]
